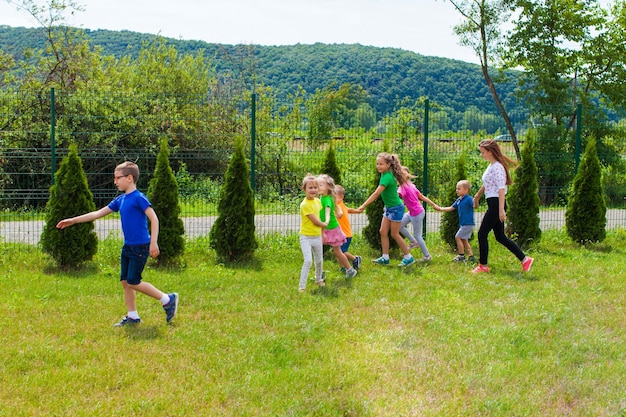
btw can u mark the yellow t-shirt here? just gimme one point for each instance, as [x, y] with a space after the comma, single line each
[307, 228]
[344, 221]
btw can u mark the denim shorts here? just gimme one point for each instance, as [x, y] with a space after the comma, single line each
[133, 261]
[395, 214]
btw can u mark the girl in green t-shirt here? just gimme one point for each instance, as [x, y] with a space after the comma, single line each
[390, 168]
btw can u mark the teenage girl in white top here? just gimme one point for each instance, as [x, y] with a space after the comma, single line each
[495, 181]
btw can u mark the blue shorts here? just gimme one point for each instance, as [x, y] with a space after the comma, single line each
[133, 261]
[395, 214]
[346, 246]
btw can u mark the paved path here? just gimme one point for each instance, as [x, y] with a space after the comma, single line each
[30, 231]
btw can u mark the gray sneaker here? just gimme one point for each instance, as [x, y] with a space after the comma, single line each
[351, 273]
[171, 307]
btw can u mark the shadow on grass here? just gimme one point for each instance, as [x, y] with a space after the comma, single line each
[254, 264]
[140, 332]
[86, 270]
[326, 292]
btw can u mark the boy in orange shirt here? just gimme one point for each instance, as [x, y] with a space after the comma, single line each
[346, 227]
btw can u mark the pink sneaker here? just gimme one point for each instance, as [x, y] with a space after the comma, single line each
[480, 268]
[413, 245]
[528, 262]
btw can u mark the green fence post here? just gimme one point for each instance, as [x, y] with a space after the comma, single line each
[252, 140]
[53, 159]
[425, 169]
[579, 117]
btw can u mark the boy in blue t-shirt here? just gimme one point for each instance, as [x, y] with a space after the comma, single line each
[135, 210]
[464, 205]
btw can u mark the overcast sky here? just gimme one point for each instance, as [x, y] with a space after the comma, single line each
[422, 26]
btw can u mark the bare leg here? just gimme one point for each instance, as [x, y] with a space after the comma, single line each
[395, 234]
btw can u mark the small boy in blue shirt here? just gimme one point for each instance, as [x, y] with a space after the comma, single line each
[135, 210]
[464, 205]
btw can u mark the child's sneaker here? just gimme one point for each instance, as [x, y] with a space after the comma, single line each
[127, 321]
[320, 283]
[480, 268]
[527, 263]
[342, 269]
[472, 259]
[171, 307]
[407, 262]
[413, 245]
[459, 258]
[356, 264]
[427, 258]
[381, 261]
[351, 273]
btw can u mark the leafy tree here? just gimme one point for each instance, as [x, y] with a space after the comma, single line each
[69, 197]
[330, 166]
[481, 31]
[232, 235]
[523, 212]
[163, 194]
[450, 219]
[585, 217]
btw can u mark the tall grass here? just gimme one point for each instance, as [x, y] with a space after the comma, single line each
[430, 340]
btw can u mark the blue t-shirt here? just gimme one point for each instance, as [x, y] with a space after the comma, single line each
[465, 208]
[132, 208]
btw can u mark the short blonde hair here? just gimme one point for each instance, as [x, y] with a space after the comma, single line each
[465, 184]
[307, 179]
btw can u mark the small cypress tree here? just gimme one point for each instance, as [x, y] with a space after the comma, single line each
[450, 219]
[523, 207]
[69, 197]
[163, 194]
[330, 166]
[232, 235]
[585, 217]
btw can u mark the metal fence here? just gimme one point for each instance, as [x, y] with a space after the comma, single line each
[35, 130]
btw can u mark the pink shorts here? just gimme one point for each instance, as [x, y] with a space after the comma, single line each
[334, 237]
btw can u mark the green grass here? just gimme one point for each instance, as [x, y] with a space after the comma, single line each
[431, 340]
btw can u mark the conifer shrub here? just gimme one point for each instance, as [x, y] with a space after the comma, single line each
[585, 217]
[232, 235]
[330, 167]
[523, 199]
[163, 194]
[69, 197]
[450, 219]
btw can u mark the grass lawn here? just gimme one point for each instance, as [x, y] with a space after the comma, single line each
[429, 340]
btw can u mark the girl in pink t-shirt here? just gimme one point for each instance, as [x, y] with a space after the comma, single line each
[411, 197]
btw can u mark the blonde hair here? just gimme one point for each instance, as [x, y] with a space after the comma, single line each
[493, 147]
[129, 168]
[407, 174]
[307, 179]
[465, 184]
[339, 190]
[330, 182]
[394, 166]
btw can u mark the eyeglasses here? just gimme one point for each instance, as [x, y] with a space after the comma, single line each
[117, 177]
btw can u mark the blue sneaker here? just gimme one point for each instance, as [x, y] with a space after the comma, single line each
[381, 261]
[407, 262]
[171, 307]
[356, 264]
[127, 321]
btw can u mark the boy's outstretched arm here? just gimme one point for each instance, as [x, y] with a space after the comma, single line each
[84, 218]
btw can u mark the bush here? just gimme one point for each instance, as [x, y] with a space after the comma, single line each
[163, 194]
[69, 197]
[232, 235]
[523, 211]
[585, 217]
[330, 166]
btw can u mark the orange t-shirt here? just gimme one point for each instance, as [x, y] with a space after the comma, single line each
[344, 221]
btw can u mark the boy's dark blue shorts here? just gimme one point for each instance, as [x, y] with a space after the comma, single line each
[346, 246]
[133, 261]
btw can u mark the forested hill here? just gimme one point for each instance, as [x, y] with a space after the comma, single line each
[385, 73]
